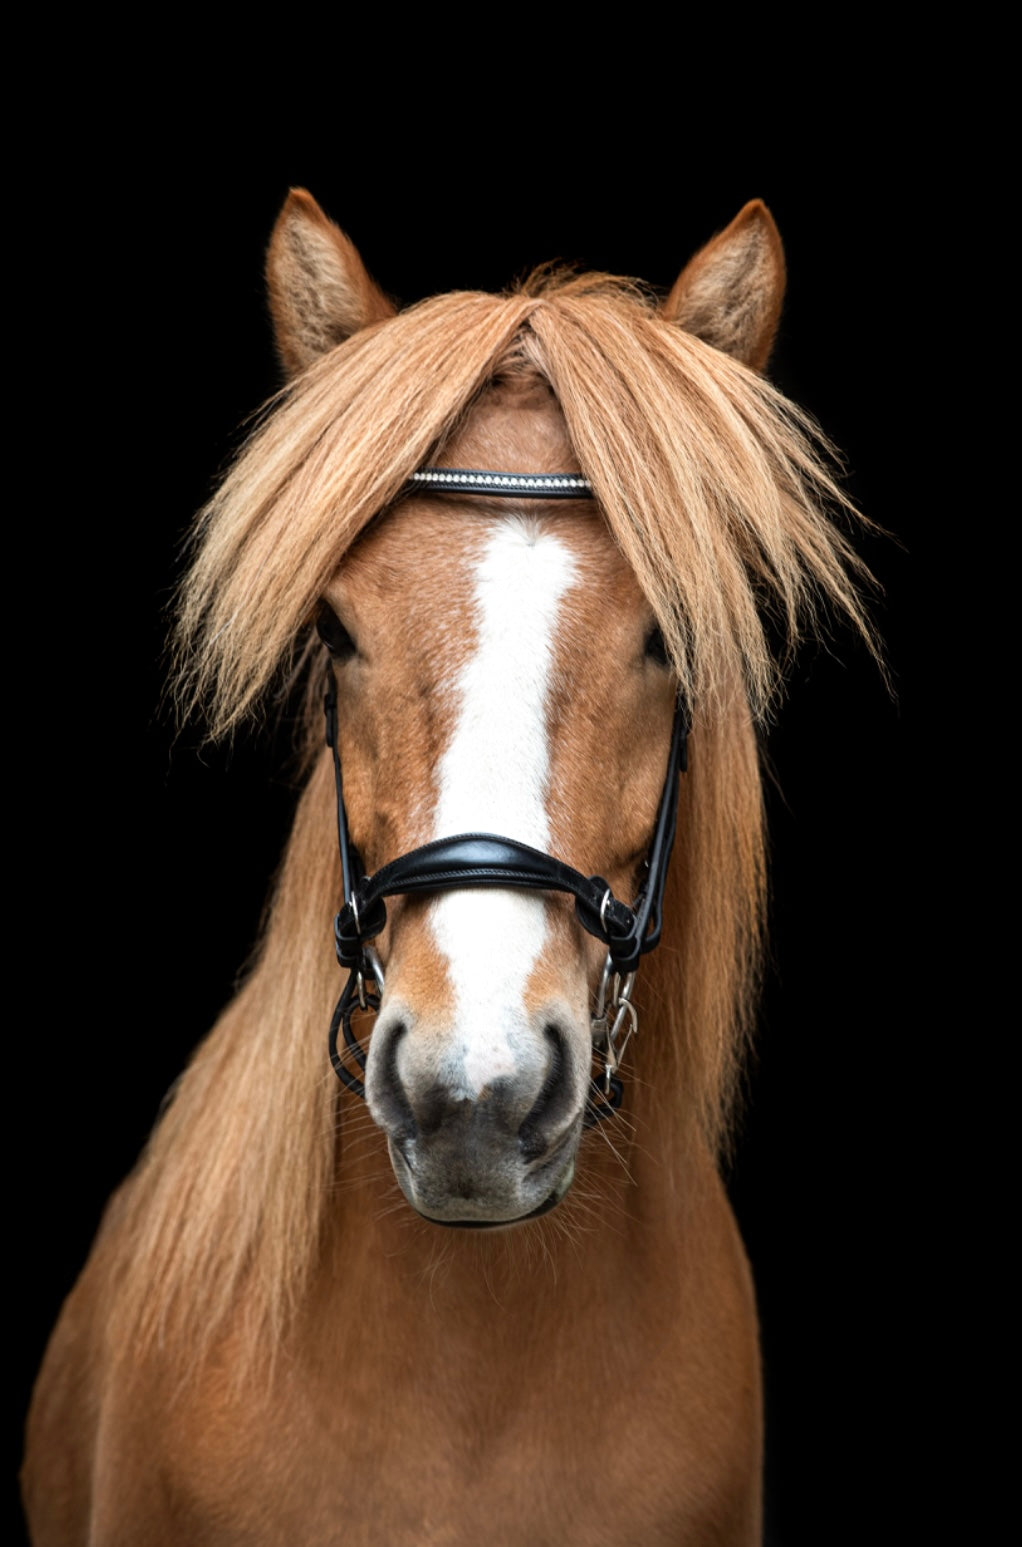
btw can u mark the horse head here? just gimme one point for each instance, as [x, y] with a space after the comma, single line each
[499, 670]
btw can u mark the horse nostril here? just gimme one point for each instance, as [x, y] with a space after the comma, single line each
[553, 1102]
[389, 1095]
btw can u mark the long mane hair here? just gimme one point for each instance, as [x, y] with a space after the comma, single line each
[718, 493]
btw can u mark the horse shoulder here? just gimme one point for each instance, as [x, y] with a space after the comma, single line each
[686, 1398]
[65, 1415]
[97, 1466]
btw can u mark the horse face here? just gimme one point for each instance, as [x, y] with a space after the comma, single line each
[500, 681]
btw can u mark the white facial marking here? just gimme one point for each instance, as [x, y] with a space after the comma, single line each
[493, 779]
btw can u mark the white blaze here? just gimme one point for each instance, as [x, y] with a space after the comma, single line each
[493, 779]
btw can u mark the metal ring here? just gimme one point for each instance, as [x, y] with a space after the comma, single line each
[614, 1053]
[607, 897]
[372, 957]
[601, 992]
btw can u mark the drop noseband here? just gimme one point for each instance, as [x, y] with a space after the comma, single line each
[487, 859]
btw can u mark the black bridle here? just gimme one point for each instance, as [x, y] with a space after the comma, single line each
[486, 859]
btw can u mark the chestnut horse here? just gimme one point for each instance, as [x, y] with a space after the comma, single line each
[279, 1338]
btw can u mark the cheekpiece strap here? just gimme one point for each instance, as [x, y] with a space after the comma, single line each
[351, 861]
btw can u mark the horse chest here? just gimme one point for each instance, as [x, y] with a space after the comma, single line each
[407, 1465]
[504, 1420]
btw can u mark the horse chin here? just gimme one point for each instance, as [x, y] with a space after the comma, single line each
[460, 1213]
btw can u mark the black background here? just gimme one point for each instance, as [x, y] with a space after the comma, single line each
[148, 858]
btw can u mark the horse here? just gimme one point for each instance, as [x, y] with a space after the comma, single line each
[542, 556]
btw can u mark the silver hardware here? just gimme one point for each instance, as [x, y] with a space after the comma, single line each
[614, 995]
[615, 1054]
[375, 973]
[599, 1016]
[359, 975]
[374, 962]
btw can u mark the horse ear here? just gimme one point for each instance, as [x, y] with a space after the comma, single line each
[320, 293]
[730, 294]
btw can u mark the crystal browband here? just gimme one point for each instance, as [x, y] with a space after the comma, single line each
[545, 486]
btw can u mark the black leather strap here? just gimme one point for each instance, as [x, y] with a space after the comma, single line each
[352, 868]
[648, 906]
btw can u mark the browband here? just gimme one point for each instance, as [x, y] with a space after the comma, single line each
[530, 486]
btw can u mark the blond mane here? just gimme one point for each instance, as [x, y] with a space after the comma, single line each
[718, 493]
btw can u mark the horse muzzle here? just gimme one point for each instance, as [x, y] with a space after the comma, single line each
[480, 1146]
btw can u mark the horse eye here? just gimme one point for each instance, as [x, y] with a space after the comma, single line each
[333, 633]
[656, 650]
